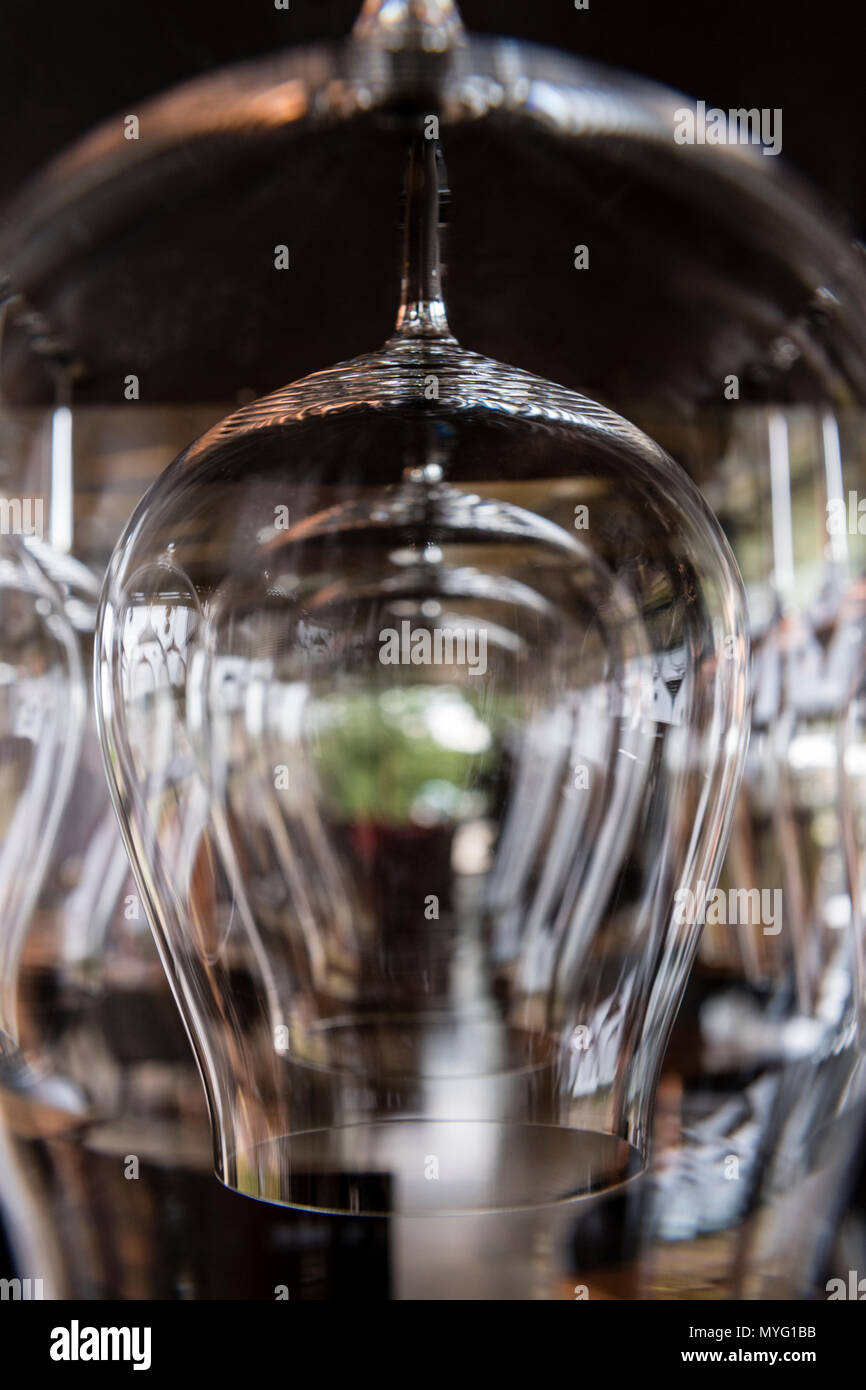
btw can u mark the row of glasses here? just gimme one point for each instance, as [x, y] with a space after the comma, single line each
[773, 1115]
[106, 1185]
[286, 799]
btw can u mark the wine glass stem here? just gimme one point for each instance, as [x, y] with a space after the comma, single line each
[62, 500]
[422, 307]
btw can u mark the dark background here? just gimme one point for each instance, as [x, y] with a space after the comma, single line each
[66, 66]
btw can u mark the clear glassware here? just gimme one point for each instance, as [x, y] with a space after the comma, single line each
[84, 958]
[771, 1109]
[746, 277]
[106, 1183]
[422, 689]
[42, 703]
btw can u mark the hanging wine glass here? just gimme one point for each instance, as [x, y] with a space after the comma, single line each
[422, 694]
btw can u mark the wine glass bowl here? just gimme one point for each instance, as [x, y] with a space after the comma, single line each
[429, 752]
